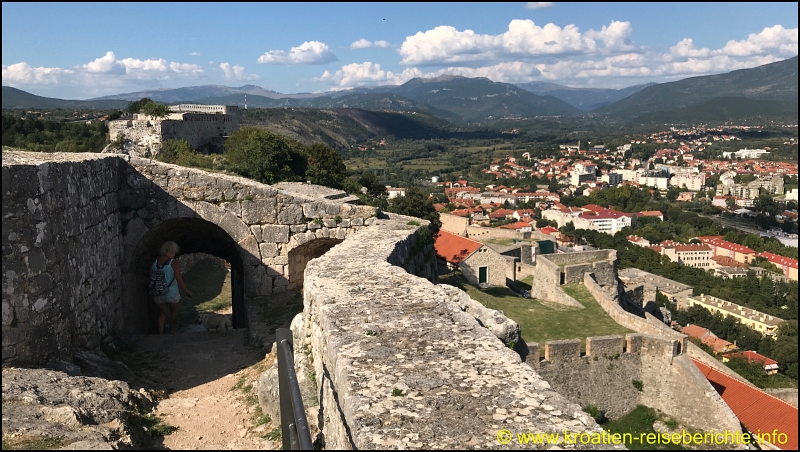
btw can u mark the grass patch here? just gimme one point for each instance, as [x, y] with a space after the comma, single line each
[210, 284]
[503, 242]
[639, 421]
[154, 424]
[33, 442]
[274, 434]
[542, 321]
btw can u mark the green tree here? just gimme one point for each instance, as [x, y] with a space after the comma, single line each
[374, 187]
[172, 149]
[265, 156]
[416, 203]
[155, 110]
[325, 166]
[136, 106]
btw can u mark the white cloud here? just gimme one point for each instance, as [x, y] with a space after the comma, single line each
[367, 73]
[445, 45]
[309, 52]
[538, 5]
[24, 74]
[106, 64]
[365, 44]
[194, 54]
[361, 44]
[771, 40]
[236, 72]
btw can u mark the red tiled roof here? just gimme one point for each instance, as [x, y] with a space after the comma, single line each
[651, 213]
[517, 225]
[549, 230]
[726, 261]
[756, 410]
[454, 248]
[779, 260]
[718, 241]
[752, 356]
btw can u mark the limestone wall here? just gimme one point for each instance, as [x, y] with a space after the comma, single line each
[483, 234]
[455, 383]
[455, 224]
[61, 254]
[605, 377]
[83, 230]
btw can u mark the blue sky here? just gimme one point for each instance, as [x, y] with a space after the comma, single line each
[80, 51]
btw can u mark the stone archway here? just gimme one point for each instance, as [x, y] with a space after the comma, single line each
[193, 235]
[301, 255]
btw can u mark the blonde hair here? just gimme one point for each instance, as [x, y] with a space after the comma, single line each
[169, 247]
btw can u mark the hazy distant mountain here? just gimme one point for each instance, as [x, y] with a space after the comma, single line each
[194, 93]
[16, 98]
[723, 109]
[475, 99]
[583, 98]
[770, 82]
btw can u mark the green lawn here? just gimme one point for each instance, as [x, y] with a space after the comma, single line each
[210, 284]
[639, 422]
[540, 320]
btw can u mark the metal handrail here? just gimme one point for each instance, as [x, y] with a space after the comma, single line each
[294, 425]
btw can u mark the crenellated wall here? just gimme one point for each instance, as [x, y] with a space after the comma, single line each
[607, 377]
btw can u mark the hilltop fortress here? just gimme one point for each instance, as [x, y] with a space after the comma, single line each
[80, 231]
[205, 127]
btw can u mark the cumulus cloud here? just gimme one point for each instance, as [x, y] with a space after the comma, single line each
[538, 5]
[309, 52]
[236, 72]
[365, 43]
[367, 73]
[776, 41]
[24, 74]
[445, 45]
[106, 64]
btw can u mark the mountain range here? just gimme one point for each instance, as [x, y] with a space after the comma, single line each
[769, 90]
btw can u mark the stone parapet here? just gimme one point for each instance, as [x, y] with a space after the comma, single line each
[400, 365]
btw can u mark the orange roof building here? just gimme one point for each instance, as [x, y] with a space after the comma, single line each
[759, 412]
[454, 248]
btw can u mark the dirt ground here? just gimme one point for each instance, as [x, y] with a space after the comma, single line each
[209, 378]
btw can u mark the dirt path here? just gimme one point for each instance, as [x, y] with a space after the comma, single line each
[209, 376]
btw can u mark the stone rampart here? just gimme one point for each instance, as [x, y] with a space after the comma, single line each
[483, 234]
[651, 371]
[399, 363]
[85, 228]
[455, 224]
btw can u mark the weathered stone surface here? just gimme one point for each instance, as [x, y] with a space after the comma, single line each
[268, 250]
[275, 233]
[258, 211]
[291, 214]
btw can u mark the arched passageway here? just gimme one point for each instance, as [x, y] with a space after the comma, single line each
[301, 255]
[193, 235]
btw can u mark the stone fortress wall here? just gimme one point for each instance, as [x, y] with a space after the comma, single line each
[203, 126]
[92, 223]
[84, 228]
[605, 375]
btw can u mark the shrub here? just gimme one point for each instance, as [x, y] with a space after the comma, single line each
[638, 385]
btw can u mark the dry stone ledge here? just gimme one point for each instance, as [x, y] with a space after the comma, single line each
[400, 365]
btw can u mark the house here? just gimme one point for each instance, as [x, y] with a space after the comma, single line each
[549, 230]
[652, 213]
[477, 262]
[721, 247]
[518, 226]
[708, 338]
[786, 264]
[693, 255]
[394, 192]
[763, 323]
[770, 365]
[638, 241]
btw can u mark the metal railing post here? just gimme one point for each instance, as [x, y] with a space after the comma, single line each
[294, 425]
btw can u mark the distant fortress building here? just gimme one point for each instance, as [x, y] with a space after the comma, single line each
[205, 127]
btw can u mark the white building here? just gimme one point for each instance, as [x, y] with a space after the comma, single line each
[394, 192]
[693, 181]
[745, 153]
[583, 173]
[791, 195]
[609, 222]
[659, 182]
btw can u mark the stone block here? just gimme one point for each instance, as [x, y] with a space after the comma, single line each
[533, 355]
[357, 221]
[633, 343]
[256, 231]
[258, 211]
[291, 214]
[604, 346]
[210, 212]
[275, 233]
[297, 228]
[329, 223]
[234, 207]
[562, 350]
[234, 227]
[268, 250]
[314, 209]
